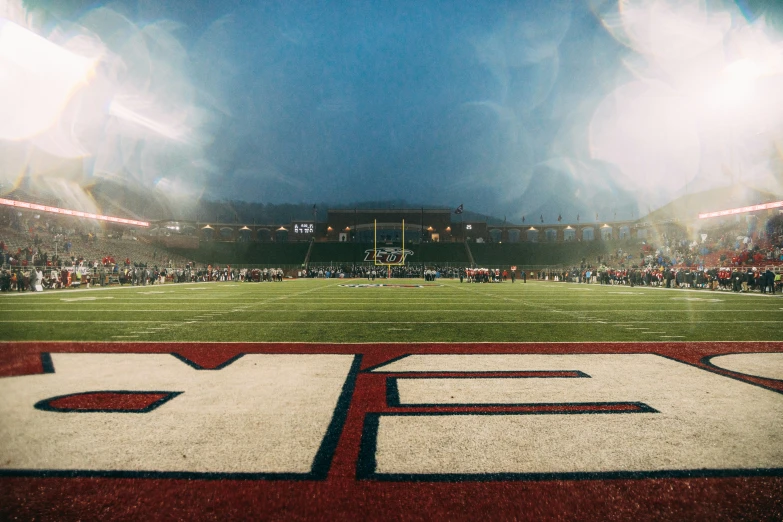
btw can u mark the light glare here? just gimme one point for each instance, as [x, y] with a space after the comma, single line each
[37, 78]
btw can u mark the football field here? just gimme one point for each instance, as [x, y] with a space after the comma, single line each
[391, 400]
[397, 310]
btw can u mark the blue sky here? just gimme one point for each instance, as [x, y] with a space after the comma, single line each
[511, 108]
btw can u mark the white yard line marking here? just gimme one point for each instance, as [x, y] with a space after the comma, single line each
[84, 299]
[388, 311]
[222, 321]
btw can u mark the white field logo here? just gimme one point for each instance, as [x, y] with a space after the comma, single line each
[387, 255]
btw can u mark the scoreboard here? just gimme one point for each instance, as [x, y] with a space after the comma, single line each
[304, 228]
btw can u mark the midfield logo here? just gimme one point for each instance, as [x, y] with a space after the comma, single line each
[387, 255]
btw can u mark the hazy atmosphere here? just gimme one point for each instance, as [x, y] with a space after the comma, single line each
[511, 108]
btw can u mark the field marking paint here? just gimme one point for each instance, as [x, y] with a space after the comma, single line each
[358, 322]
[390, 311]
[72, 299]
[765, 365]
[266, 434]
[460, 444]
[696, 299]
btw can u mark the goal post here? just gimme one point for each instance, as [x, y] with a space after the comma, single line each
[389, 264]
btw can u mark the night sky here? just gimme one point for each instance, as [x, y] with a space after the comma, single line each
[510, 108]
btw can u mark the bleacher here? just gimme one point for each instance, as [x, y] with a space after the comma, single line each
[330, 252]
[247, 254]
[439, 254]
[547, 254]
[423, 253]
[138, 250]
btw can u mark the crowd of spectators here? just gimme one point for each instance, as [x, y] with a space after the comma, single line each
[370, 270]
[751, 279]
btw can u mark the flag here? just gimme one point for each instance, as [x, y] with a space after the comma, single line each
[523, 219]
[596, 216]
[577, 217]
[542, 218]
[459, 209]
[559, 218]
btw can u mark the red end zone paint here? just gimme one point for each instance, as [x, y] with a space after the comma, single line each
[108, 402]
[341, 495]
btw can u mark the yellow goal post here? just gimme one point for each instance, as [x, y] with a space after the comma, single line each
[401, 262]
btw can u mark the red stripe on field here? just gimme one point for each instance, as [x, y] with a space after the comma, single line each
[481, 375]
[19, 358]
[107, 401]
[744, 498]
[527, 408]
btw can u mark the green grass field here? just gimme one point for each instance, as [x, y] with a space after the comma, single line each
[447, 311]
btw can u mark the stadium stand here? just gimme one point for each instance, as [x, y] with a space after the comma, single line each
[545, 254]
[278, 254]
[440, 253]
[330, 252]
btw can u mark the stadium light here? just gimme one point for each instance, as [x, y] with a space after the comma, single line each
[742, 210]
[73, 213]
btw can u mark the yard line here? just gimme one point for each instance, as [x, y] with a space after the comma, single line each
[298, 322]
[387, 311]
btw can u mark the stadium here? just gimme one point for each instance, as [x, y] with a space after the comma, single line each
[202, 320]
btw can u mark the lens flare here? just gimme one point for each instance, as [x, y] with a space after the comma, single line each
[37, 78]
[707, 101]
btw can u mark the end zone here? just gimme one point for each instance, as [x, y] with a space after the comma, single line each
[673, 430]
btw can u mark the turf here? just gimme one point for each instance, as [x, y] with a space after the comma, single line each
[327, 311]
